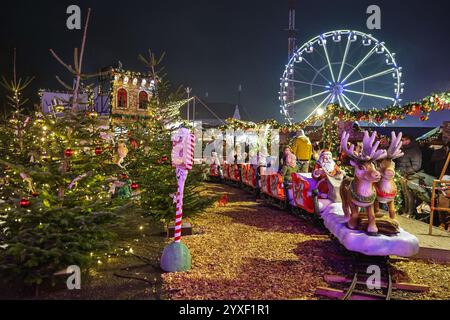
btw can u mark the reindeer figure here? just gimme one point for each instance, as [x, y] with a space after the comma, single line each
[359, 192]
[386, 187]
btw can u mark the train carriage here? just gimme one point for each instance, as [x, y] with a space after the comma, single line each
[252, 181]
[235, 173]
[245, 173]
[214, 171]
[226, 171]
[303, 186]
[276, 188]
[264, 185]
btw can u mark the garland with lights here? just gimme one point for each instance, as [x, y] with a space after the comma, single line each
[422, 109]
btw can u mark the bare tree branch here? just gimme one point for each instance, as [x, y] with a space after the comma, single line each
[75, 60]
[80, 64]
[65, 85]
[65, 65]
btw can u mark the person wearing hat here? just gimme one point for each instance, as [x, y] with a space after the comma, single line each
[325, 169]
[302, 149]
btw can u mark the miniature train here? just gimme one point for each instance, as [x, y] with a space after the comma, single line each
[269, 186]
[302, 197]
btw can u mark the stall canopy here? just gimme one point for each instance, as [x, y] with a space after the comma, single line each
[431, 135]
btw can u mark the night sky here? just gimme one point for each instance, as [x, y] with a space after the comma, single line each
[215, 45]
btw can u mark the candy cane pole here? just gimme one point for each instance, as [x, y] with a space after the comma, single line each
[176, 256]
[181, 177]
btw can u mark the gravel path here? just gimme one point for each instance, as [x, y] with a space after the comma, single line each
[247, 250]
[251, 251]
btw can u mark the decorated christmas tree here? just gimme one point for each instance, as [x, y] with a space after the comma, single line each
[55, 194]
[149, 166]
[149, 162]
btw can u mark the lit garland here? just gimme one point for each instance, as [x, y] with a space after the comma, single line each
[130, 116]
[435, 102]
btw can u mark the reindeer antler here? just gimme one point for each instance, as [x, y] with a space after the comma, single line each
[395, 148]
[370, 150]
[344, 145]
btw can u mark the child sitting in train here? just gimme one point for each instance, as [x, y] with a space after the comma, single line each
[289, 168]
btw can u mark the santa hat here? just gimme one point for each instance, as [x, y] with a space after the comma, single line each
[324, 152]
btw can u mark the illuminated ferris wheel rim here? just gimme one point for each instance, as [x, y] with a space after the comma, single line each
[337, 85]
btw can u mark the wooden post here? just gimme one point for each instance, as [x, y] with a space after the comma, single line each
[433, 199]
[433, 195]
[445, 167]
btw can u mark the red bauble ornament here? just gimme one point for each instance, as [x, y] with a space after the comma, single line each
[98, 151]
[123, 176]
[134, 186]
[24, 203]
[163, 160]
[134, 144]
[69, 153]
[416, 111]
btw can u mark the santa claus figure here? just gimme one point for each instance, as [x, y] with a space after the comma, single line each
[325, 169]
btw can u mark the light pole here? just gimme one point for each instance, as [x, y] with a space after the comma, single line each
[193, 112]
[188, 91]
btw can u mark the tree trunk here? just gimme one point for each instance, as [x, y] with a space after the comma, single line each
[77, 84]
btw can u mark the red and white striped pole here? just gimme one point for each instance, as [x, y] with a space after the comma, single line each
[182, 160]
[181, 177]
[176, 256]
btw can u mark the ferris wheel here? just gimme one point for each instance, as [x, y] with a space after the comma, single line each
[350, 68]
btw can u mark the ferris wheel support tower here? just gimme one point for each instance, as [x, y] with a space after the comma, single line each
[292, 46]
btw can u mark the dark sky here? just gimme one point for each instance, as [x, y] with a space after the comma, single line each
[215, 45]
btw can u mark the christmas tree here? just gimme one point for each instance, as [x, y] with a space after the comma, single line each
[150, 163]
[66, 178]
[150, 167]
[55, 194]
